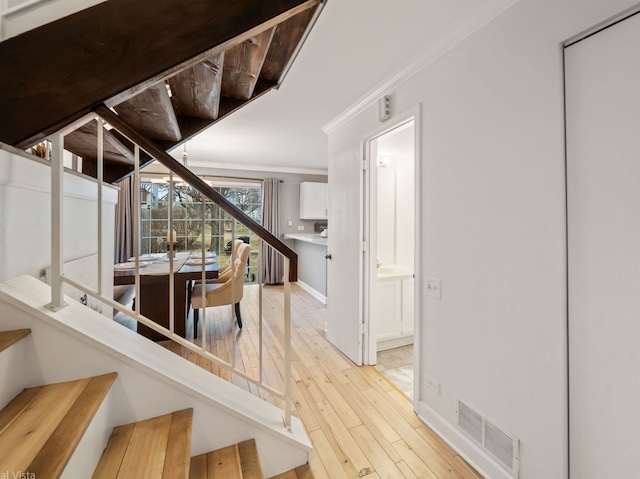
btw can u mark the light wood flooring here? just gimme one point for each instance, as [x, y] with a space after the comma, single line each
[360, 424]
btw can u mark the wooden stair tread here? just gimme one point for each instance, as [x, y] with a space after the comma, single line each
[41, 427]
[7, 338]
[250, 460]
[301, 472]
[222, 463]
[154, 448]
[239, 461]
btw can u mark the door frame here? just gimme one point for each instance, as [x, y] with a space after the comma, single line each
[570, 320]
[369, 226]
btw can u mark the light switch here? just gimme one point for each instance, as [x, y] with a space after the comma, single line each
[433, 287]
[290, 223]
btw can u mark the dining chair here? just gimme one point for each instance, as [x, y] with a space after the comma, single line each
[220, 294]
[225, 270]
[224, 273]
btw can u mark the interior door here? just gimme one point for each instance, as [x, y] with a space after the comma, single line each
[344, 268]
[603, 186]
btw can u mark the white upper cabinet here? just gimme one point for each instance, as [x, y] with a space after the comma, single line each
[313, 201]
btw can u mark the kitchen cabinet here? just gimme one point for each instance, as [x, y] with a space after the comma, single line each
[313, 201]
[388, 309]
[312, 263]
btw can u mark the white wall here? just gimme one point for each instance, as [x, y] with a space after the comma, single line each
[25, 221]
[405, 208]
[386, 230]
[395, 192]
[493, 226]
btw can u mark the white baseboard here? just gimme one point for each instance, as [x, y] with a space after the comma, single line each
[316, 294]
[395, 342]
[460, 443]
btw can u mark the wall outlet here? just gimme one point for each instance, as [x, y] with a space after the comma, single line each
[300, 228]
[433, 287]
[290, 223]
[432, 384]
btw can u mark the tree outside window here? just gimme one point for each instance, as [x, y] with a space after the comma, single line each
[187, 220]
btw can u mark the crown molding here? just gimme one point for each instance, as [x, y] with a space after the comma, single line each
[461, 30]
[265, 168]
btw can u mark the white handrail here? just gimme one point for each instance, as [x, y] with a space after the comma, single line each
[58, 276]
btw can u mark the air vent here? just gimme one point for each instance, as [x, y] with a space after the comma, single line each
[470, 422]
[502, 446]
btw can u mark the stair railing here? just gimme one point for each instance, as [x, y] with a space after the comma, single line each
[104, 115]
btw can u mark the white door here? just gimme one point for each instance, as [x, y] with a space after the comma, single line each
[344, 268]
[603, 186]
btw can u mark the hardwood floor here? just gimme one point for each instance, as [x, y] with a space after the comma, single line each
[360, 424]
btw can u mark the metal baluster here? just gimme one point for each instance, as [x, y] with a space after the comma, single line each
[100, 167]
[136, 224]
[287, 346]
[57, 236]
[171, 254]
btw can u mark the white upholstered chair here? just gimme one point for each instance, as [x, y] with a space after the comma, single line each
[228, 292]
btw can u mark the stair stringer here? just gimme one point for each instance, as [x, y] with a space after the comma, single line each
[14, 379]
[78, 342]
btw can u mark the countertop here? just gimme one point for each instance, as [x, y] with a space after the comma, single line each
[307, 238]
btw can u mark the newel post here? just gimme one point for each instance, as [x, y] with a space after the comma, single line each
[57, 206]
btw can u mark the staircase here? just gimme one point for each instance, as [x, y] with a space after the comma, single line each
[41, 427]
[75, 428]
[159, 72]
[169, 71]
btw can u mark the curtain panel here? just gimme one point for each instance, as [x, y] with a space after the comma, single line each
[272, 261]
[124, 222]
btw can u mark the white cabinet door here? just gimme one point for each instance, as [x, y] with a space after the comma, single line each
[388, 309]
[407, 306]
[313, 201]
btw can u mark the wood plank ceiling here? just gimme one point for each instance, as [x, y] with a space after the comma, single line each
[169, 71]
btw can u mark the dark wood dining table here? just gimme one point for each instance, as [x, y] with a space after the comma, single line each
[154, 289]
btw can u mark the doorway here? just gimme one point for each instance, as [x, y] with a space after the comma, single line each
[603, 206]
[390, 229]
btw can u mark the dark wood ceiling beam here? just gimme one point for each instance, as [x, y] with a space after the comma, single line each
[216, 50]
[83, 142]
[196, 90]
[285, 41]
[152, 113]
[191, 126]
[62, 70]
[113, 173]
[242, 65]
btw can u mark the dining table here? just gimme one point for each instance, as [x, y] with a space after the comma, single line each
[153, 300]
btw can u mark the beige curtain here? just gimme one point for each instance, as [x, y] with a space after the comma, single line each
[273, 266]
[124, 222]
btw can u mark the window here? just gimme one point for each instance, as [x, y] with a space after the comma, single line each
[187, 219]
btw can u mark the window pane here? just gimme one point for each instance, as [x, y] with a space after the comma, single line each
[187, 221]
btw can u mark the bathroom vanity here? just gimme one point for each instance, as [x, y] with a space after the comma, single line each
[394, 307]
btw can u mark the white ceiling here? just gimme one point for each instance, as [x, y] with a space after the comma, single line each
[353, 48]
